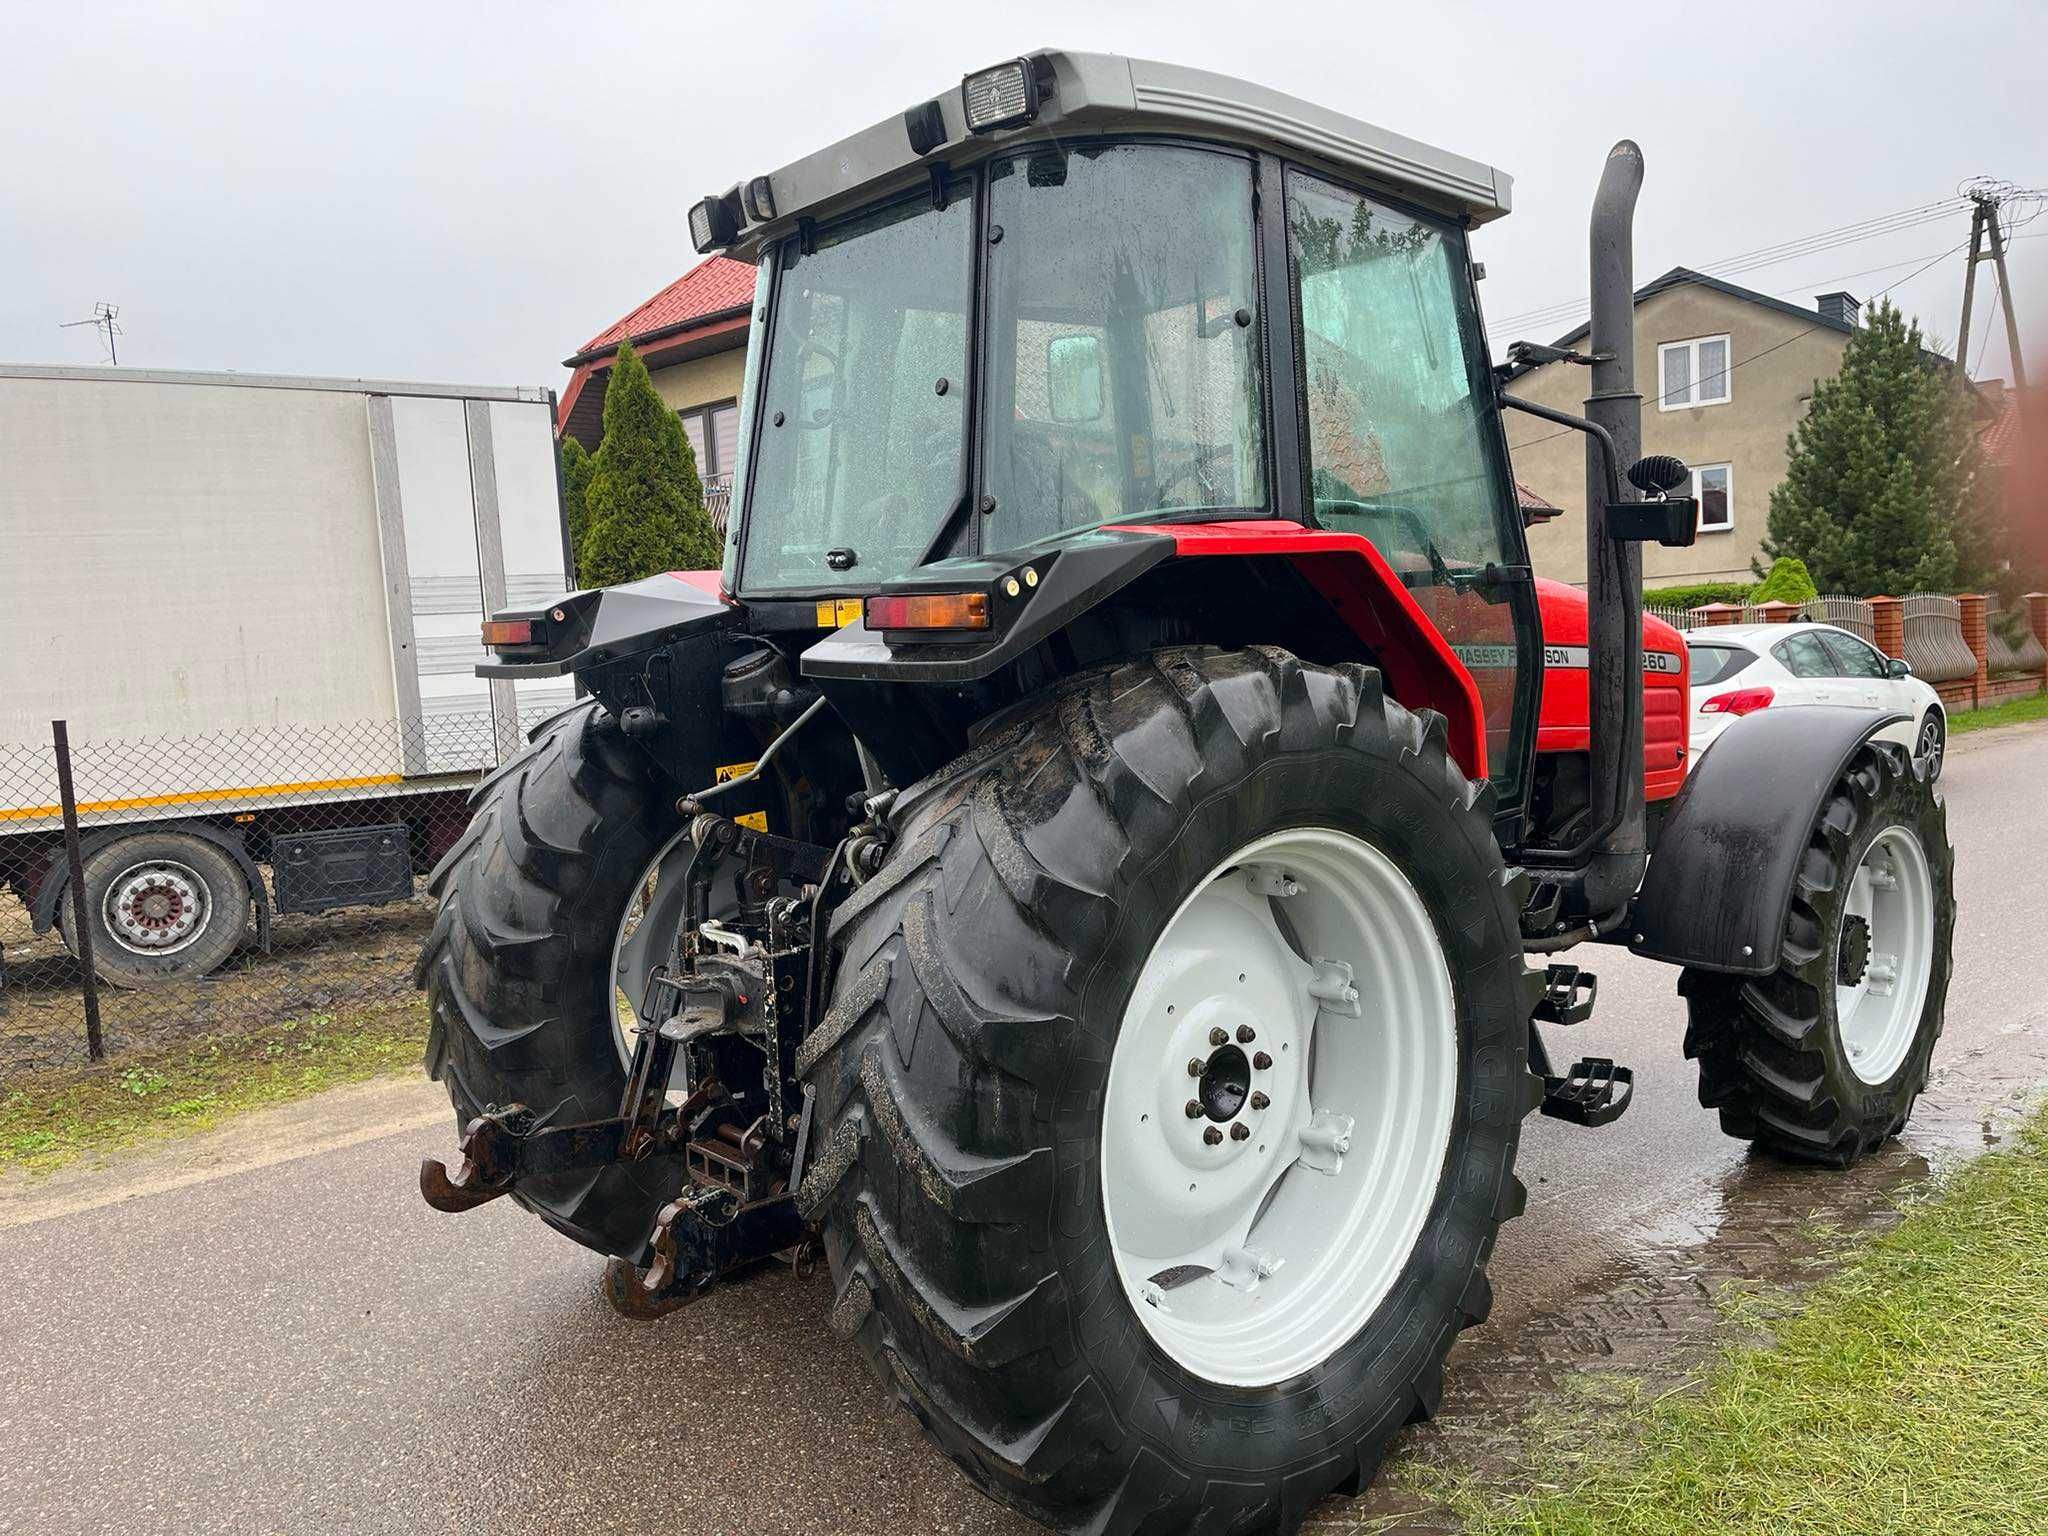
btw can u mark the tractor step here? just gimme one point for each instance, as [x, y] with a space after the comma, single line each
[1594, 1092]
[1568, 994]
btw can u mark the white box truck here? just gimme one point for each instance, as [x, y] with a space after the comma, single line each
[256, 602]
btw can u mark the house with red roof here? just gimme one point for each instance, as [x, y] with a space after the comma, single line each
[693, 338]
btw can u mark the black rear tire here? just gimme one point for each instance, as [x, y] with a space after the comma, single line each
[1771, 1054]
[958, 1081]
[517, 967]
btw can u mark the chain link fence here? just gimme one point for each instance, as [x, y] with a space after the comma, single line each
[230, 881]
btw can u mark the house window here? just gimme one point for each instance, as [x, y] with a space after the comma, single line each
[1692, 373]
[1715, 488]
[714, 433]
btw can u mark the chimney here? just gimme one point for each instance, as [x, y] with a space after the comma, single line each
[1838, 308]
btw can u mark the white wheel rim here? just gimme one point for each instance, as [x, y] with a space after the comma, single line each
[157, 908]
[1881, 993]
[1252, 1259]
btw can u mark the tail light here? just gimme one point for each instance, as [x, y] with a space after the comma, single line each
[931, 610]
[1743, 701]
[502, 633]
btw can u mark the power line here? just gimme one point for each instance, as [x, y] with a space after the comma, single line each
[1825, 240]
[1767, 351]
[1782, 251]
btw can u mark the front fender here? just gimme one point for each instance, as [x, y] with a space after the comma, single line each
[1720, 880]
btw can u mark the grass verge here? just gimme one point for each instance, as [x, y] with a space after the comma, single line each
[2011, 712]
[53, 1118]
[1907, 1393]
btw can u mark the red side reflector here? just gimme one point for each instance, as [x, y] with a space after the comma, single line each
[1743, 701]
[499, 632]
[929, 610]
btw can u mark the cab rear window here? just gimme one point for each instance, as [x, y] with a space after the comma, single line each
[1717, 663]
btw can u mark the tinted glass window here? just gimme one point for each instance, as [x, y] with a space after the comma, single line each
[1403, 442]
[1714, 663]
[1120, 379]
[1804, 656]
[1852, 656]
[859, 449]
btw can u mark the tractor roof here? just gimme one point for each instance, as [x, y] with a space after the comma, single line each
[1091, 93]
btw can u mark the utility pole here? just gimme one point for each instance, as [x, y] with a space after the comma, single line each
[102, 320]
[1987, 240]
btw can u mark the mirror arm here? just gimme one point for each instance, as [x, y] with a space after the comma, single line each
[1609, 462]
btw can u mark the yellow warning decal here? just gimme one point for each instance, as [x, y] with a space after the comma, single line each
[758, 820]
[834, 612]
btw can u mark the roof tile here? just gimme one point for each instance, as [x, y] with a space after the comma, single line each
[714, 285]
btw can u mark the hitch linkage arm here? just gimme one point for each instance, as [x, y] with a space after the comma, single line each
[503, 1145]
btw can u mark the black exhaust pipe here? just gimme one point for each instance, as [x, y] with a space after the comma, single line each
[1614, 567]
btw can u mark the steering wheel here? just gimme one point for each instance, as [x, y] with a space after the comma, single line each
[1197, 470]
[825, 414]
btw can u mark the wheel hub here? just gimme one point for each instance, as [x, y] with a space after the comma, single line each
[1226, 1084]
[155, 908]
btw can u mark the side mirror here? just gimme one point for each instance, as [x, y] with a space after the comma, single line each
[1897, 666]
[1073, 377]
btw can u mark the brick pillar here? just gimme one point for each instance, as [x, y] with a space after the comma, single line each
[1888, 625]
[1973, 606]
[1728, 613]
[1777, 611]
[2037, 620]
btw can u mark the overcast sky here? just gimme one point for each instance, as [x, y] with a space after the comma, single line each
[466, 192]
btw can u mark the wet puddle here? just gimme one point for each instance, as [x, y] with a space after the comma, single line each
[1645, 1319]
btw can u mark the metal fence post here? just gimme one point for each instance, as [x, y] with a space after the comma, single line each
[81, 930]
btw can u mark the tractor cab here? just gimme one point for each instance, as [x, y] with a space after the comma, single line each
[1086, 300]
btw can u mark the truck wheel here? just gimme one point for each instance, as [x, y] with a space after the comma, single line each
[533, 947]
[1167, 1107]
[164, 907]
[1822, 1059]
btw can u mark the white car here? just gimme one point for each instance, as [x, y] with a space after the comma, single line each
[1738, 669]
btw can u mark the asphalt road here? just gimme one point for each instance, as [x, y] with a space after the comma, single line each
[304, 1347]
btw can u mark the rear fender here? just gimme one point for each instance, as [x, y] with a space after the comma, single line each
[1720, 883]
[1421, 669]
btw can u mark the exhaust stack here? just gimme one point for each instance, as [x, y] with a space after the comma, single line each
[1614, 567]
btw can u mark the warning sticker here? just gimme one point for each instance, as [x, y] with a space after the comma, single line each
[726, 773]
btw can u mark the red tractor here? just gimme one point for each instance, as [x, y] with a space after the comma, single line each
[1078, 863]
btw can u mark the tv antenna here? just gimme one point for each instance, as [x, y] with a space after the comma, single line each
[104, 320]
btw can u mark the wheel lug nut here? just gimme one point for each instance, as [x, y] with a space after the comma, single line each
[1194, 1109]
[1260, 1101]
[1240, 1132]
[1246, 1034]
[1218, 1037]
[1194, 1066]
[1213, 1136]
[1262, 1061]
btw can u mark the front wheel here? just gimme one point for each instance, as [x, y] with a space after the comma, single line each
[1167, 1107]
[1932, 743]
[1822, 1059]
